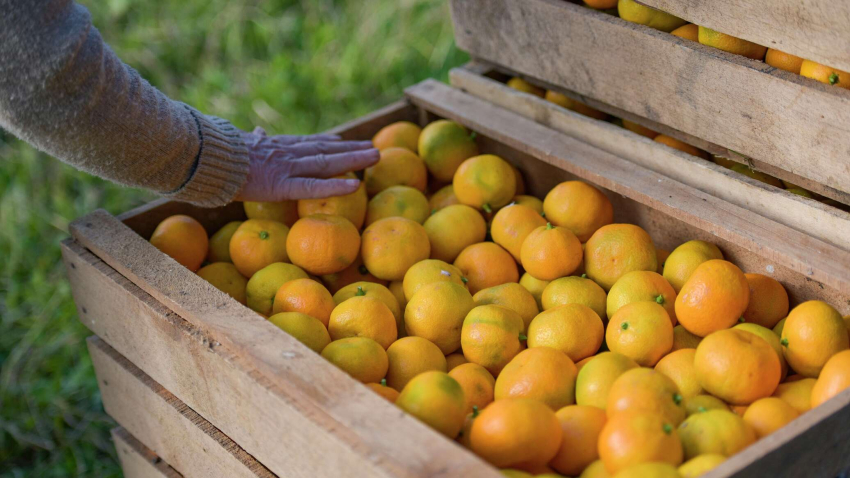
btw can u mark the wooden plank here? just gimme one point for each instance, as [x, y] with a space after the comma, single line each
[167, 426]
[773, 116]
[306, 419]
[814, 29]
[781, 245]
[138, 461]
[803, 214]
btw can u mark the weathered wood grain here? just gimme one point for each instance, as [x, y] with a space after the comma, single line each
[138, 461]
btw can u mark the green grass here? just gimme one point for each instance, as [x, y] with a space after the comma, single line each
[290, 67]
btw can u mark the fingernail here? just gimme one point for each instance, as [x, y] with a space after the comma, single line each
[352, 182]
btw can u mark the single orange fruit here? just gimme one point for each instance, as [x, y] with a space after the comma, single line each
[813, 332]
[377, 291]
[682, 339]
[322, 244]
[681, 146]
[510, 295]
[444, 145]
[512, 224]
[485, 265]
[219, 249]
[535, 286]
[516, 432]
[679, 367]
[580, 427]
[702, 403]
[306, 296]
[264, 284]
[688, 32]
[520, 181]
[528, 201]
[490, 336]
[437, 400]
[356, 272]
[617, 249]
[454, 360]
[736, 366]
[385, 392]
[797, 393]
[632, 11]
[453, 228]
[550, 252]
[783, 61]
[398, 201]
[285, 212]
[565, 101]
[768, 301]
[574, 329]
[595, 378]
[437, 312]
[579, 207]
[639, 129]
[390, 246]
[714, 297]
[731, 44]
[258, 243]
[834, 378]
[641, 286]
[715, 431]
[184, 239]
[350, 206]
[362, 316]
[477, 384]
[629, 439]
[766, 415]
[410, 356]
[641, 331]
[224, 277]
[575, 290]
[486, 182]
[401, 134]
[541, 373]
[428, 272]
[648, 391]
[772, 339]
[740, 410]
[662, 255]
[361, 357]
[519, 84]
[682, 262]
[306, 329]
[444, 197]
[397, 167]
[825, 74]
[700, 465]
[595, 470]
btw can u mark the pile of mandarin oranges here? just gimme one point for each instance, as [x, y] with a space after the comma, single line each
[541, 335]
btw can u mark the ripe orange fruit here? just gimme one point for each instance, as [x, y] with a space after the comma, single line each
[477, 384]
[454, 360]
[410, 356]
[486, 182]
[702, 403]
[813, 332]
[285, 212]
[485, 265]
[519, 84]
[361, 357]
[322, 244]
[834, 378]
[397, 288]
[688, 32]
[541, 373]
[825, 74]
[783, 61]
[401, 134]
[262, 286]
[766, 415]
[427, 272]
[640, 286]
[679, 367]
[387, 393]
[629, 439]
[371, 289]
[453, 228]
[529, 201]
[681, 146]
[575, 105]
[797, 393]
[356, 272]
[598, 5]
[490, 336]
[632, 11]
[617, 249]
[350, 206]
[736, 366]
[306, 329]
[574, 329]
[682, 339]
[595, 378]
[444, 145]
[575, 290]
[595, 470]
[362, 316]
[579, 207]
[510, 295]
[516, 432]
[184, 239]
[772, 339]
[512, 224]
[398, 201]
[397, 167]
[700, 465]
[580, 427]
[731, 44]
[436, 399]
[639, 129]
[390, 246]
[682, 262]
[550, 252]
[258, 243]
[306, 296]
[219, 248]
[649, 391]
[768, 301]
[714, 297]
[437, 312]
[641, 331]
[715, 431]
[535, 286]
[444, 197]
[224, 277]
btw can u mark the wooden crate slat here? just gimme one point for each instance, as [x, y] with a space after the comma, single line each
[803, 214]
[773, 116]
[266, 414]
[138, 461]
[813, 29]
[163, 423]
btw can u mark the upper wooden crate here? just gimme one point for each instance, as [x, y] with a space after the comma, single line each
[780, 119]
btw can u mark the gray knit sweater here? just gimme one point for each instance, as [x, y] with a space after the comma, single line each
[63, 90]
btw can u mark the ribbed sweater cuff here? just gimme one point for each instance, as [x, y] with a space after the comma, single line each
[222, 165]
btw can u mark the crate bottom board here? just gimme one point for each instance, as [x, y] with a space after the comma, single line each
[137, 460]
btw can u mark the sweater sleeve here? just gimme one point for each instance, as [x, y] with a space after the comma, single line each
[63, 90]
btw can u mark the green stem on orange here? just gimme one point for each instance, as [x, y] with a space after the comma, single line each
[833, 78]
[741, 319]
[523, 337]
[384, 382]
[624, 326]
[668, 429]
[363, 270]
[474, 411]
[464, 280]
[549, 226]
[264, 235]
[486, 207]
[784, 342]
[360, 291]
[677, 398]
[584, 276]
[660, 299]
[473, 135]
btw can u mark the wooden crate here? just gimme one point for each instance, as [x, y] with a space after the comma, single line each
[784, 124]
[193, 357]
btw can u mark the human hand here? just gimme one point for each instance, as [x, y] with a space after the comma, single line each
[300, 167]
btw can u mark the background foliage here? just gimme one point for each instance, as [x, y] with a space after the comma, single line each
[290, 67]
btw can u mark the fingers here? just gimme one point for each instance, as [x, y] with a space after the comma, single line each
[311, 188]
[285, 139]
[300, 150]
[329, 165]
[259, 131]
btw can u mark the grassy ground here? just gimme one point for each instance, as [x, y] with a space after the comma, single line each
[291, 67]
